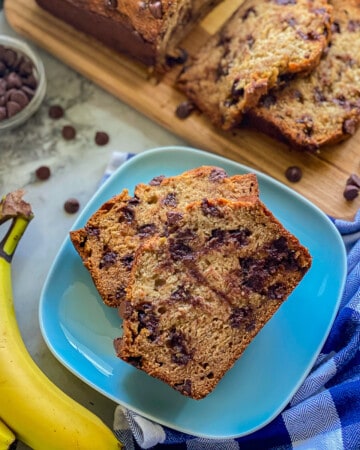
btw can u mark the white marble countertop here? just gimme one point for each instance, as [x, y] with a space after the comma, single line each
[76, 168]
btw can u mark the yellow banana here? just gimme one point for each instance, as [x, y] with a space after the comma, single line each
[7, 437]
[39, 413]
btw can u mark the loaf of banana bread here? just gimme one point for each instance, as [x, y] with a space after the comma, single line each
[147, 30]
[108, 241]
[201, 292]
[262, 43]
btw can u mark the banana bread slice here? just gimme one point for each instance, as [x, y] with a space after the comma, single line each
[260, 44]
[198, 295]
[323, 108]
[108, 241]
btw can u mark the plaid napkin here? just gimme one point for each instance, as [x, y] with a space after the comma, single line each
[325, 411]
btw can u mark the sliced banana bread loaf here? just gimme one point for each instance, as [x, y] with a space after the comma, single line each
[262, 42]
[198, 295]
[323, 108]
[108, 241]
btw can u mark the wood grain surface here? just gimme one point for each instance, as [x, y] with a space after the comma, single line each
[324, 173]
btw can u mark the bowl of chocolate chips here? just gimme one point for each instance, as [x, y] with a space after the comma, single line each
[22, 82]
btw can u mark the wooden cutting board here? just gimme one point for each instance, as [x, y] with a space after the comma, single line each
[324, 174]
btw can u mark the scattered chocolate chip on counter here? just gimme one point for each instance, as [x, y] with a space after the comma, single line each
[293, 174]
[17, 82]
[56, 112]
[72, 205]
[353, 180]
[43, 173]
[101, 138]
[184, 109]
[352, 187]
[68, 132]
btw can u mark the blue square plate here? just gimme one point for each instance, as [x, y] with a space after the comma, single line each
[79, 329]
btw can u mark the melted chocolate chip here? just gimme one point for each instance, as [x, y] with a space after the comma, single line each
[184, 388]
[179, 250]
[217, 174]
[148, 320]
[170, 200]
[127, 261]
[108, 259]
[177, 343]
[147, 230]
[156, 181]
[208, 209]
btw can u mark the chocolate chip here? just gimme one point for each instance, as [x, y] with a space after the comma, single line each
[354, 180]
[108, 259]
[101, 138]
[56, 112]
[293, 174]
[3, 113]
[350, 192]
[155, 8]
[349, 126]
[156, 181]
[217, 174]
[13, 80]
[170, 200]
[19, 97]
[184, 109]
[179, 56]
[14, 72]
[68, 132]
[12, 108]
[43, 173]
[71, 205]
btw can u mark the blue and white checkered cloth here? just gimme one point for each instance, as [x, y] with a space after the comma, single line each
[324, 414]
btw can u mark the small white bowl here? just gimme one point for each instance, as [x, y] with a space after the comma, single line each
[22, 48]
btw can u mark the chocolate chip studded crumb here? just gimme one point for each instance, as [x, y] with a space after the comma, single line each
[184, 109]
[293, 174]
[56, 112]
[101, 138]
[350, 192]
[43, 173]
[72, 205]
[68, 132]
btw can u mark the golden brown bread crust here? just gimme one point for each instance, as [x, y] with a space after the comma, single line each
[147, 30]
[108, 241]
[262, 42]
[323, 108]
[199, 294]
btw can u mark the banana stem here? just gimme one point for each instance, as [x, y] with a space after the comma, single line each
[14, 208]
